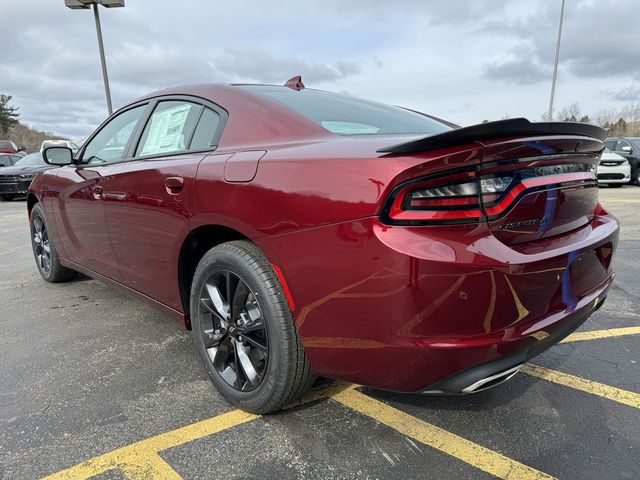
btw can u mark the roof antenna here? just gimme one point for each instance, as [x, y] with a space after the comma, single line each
[295, 83]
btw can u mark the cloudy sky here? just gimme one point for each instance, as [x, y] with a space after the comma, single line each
[463, 60]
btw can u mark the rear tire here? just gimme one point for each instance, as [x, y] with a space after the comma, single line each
[7, 198]
[44, 250]
[244, 331]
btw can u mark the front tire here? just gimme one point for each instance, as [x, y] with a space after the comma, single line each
[615, 185]
[44, 250]
[244, 331]
[7, 198]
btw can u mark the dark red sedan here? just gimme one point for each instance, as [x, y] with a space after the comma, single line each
[301, 233]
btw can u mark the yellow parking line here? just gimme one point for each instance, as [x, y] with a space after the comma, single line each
[140, 460]
[137, 460]
[149, 466]
[625, 397]
[598, 334]
[447, 442]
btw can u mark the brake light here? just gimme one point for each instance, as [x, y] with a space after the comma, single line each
[460, 194]
[471, 196]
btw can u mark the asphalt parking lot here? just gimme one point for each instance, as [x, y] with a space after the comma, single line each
[94, 383]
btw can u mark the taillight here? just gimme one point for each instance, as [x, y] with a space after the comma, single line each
[471, 196]
[459, 194]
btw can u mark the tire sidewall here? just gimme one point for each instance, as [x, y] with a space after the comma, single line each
[220, 259]
[37, 212]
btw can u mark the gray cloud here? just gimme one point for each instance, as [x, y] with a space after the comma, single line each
[258, 65]
[523, 69]
[591, 46]
[627, 94]
[437, 55]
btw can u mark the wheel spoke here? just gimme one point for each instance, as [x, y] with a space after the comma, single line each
[236, 366]
[232, 285]
[37, 225]
[221, 307]
[207, 304]
[247, 367]
[261, 345]
[239, 299]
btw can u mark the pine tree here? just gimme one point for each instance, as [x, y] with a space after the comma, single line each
[8, 115]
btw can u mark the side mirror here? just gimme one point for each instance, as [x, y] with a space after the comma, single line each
[626, 149]
[58, 156]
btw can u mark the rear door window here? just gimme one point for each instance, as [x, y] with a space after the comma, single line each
[169, 128]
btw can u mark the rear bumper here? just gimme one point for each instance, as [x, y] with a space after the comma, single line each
[412, 309]
[489, 374]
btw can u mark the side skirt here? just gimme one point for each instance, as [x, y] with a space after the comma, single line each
[180, 317]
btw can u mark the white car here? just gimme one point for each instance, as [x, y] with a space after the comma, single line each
[59, 143]
[614, 170]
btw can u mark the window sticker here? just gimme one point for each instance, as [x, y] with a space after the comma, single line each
[166, 132]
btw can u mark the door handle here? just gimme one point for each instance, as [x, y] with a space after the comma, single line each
[174, 185]
[97, 192]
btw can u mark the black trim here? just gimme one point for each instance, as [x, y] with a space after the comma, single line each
[142, 122]
[454, 384]
[545, 158]
[513, 127]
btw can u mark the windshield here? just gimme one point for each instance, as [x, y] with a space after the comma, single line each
[32, 159]
[347, 115]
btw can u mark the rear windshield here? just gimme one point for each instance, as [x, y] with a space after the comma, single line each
[5, 145]
[347, 115]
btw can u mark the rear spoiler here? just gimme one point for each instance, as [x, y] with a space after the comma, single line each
[513, 127]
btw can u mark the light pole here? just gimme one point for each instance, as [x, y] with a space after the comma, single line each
[555, 63]
[85, 4]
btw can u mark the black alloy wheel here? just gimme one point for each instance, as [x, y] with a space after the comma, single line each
[233, 331]
[243, 329]
[41, 246]
[44, 251]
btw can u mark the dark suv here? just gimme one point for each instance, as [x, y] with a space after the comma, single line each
[629, 148]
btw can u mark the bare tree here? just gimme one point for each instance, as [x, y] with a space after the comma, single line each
[570, 113]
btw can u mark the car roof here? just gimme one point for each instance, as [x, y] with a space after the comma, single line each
[254, 120]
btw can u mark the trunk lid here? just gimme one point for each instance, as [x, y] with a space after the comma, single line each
[553, 188]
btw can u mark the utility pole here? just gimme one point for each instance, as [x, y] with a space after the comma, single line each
[84, 4]
[555, 64]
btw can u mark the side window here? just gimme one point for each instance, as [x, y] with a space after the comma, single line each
[206, 129]
[169, 128]
[109, 144]
[621, 144]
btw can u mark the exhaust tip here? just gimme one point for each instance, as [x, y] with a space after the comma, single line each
[492, 381]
